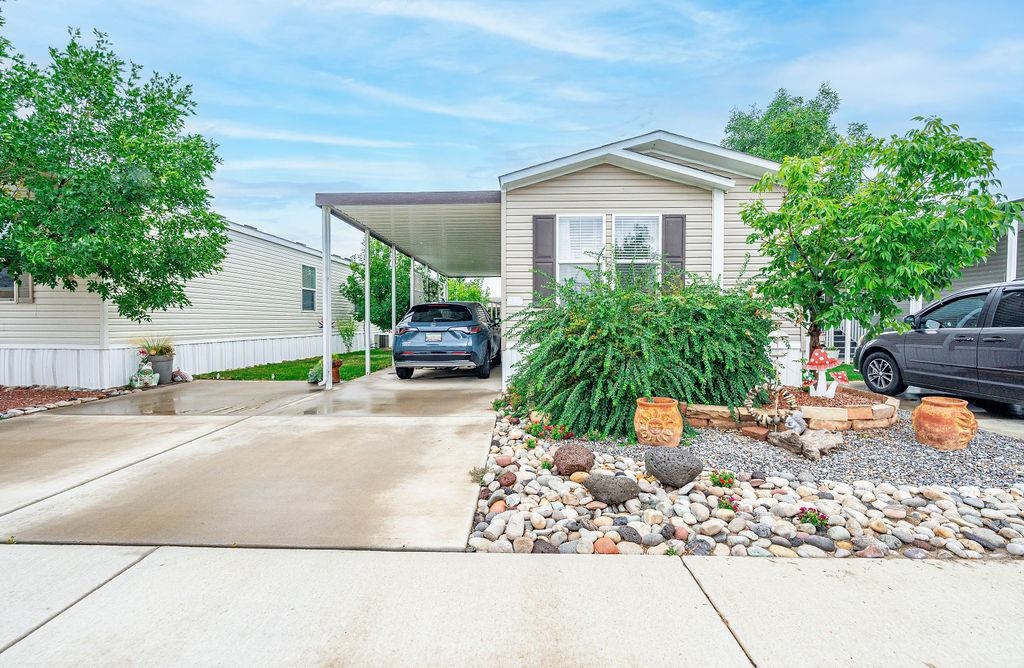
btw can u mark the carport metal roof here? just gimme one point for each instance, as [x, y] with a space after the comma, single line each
[454, 233]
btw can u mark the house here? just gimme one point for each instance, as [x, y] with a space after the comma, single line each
[679, 196]
[263, 306]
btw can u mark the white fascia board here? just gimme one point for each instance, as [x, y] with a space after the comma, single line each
[690, 149]
[690, 144]
[637, 162]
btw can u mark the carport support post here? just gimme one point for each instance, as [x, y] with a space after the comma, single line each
[412, 281]
[394, 270]
[1011, 251]
[366, 297]
[328, 329]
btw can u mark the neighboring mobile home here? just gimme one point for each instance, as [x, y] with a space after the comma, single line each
[681, 196]
[264, 306]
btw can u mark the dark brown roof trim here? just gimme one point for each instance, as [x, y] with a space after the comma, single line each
[408, 198]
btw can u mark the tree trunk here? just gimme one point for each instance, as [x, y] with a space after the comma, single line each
[814, 332]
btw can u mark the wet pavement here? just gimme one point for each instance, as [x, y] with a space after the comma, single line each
[249, 463]
[202, 397]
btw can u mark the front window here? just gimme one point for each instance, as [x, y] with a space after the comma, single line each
[637, 248]
[959, 313]
[580, 241]
[308, 288]
[17, 291]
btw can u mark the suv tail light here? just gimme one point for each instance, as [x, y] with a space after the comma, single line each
[475, 329]
[404, 330]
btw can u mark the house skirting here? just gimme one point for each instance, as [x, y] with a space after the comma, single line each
[94, 367]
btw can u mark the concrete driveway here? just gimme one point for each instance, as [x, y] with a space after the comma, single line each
[378, 463]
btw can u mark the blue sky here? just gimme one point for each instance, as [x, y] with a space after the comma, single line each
[331, 95]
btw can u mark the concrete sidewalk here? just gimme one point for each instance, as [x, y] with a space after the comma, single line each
[208, 606]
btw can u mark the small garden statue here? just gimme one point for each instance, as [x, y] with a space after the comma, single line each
[820, 362]
[796, 422]
[145, 376]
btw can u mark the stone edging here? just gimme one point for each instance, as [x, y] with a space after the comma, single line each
[28, 410]
[869, 415]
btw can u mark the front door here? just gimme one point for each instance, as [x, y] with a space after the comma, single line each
[942, 352]
[1001, 349]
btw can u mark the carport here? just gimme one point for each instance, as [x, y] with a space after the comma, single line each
[453, 234]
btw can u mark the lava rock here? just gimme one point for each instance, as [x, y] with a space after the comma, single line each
[571, 458]
[674, 467]
[612, 490]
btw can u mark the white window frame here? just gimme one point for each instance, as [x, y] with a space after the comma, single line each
[24, 279]
[303, 288]
[657, 260]
[558, 241]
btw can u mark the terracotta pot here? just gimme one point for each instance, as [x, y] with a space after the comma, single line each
[658, 421]
[944, 423]
[335, 374]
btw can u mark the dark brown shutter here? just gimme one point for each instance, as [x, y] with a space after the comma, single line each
[543, 254]
[673, 241]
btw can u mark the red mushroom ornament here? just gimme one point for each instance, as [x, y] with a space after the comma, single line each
[821, 362]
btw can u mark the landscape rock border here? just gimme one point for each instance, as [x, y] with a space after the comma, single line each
[29, 409]
[872, 414]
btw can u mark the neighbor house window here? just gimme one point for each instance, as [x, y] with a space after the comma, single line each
[580, 241]
[308, 288]
[17, 291]
[637, 247]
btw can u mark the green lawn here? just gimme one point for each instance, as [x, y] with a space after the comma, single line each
[352, 367]
[851, 371]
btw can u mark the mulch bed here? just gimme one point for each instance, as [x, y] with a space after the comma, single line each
[844, 397]
[20, 397]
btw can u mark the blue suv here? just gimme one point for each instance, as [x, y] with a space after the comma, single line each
[447, 335]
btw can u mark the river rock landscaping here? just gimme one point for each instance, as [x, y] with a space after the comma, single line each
[880, 494]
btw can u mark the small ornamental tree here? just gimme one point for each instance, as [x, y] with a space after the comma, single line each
[468, 290]
[848, 243]
[99, 183]
[380, 286]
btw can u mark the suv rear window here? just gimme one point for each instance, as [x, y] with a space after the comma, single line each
[440, 313]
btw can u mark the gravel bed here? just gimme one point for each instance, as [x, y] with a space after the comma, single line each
[892, 455]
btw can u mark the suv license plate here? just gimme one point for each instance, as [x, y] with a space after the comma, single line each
[433, 338]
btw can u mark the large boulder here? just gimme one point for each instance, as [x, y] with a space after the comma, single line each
[612, 489]
[673, 467]
[571, 458]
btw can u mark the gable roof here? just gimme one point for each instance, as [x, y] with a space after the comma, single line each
[641, 154]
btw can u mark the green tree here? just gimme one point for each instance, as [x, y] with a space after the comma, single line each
[380, 286]
[468, 290]
[849, 243]
[99, 183]
[789, 126]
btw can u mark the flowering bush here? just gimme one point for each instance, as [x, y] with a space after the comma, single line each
[813, 517]
[722, 478]
[728, 502]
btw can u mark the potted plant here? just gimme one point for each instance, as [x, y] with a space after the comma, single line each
[160, 354]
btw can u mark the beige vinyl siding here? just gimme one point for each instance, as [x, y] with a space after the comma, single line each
[736, 232]
[607, 190]
[992, 270]
[54, 316]
[258, 293]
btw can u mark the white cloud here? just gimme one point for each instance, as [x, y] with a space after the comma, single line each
[224, 128]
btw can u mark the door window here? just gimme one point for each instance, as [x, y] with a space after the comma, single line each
[962, 312]
[1010, 312]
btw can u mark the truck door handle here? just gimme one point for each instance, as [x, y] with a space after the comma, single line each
[993, 339]
[963, 339]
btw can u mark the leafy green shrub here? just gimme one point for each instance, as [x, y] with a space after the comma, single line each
[723, 478]
[596, 348]
[347, 332]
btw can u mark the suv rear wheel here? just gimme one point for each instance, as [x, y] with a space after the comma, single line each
[882, 375]
[484, 370]
[405, 373]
